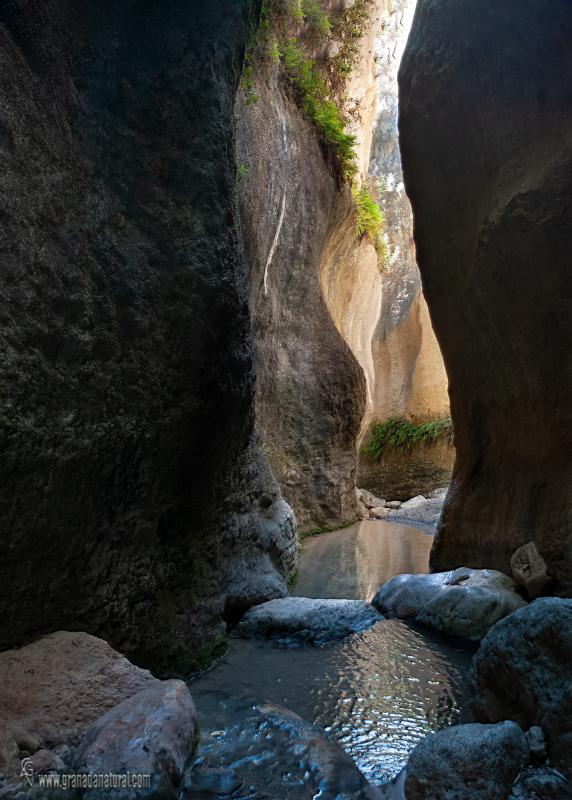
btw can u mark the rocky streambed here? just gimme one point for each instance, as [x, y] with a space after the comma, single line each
[376, 693]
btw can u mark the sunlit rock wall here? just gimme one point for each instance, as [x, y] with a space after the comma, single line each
[381, 312]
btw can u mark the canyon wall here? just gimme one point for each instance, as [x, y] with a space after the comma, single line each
[135, 503]
[379, 307]
[296, 216]
[486, 136]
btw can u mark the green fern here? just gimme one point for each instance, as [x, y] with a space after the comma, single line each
[401, 434]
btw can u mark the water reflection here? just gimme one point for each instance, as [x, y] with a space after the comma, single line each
[376, 693]
[354, 562]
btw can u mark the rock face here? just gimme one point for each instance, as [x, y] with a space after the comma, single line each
[130, 474]
[53, 689]
[307, 620]
[480, 762]
[152, 733]
[310, 388]
[464, 603]
[522, 672]
[401, 359]
[485, 136]
[404, 474]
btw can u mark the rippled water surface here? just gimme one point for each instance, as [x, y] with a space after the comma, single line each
[376, 693]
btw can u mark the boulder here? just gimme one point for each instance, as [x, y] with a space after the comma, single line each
[393, 504]
[467, 762]
[542, 783]
[368, 499]
[379, 512]
[307, 620]
[415, 502]
[463, 603]
[54, 688]
[46, 761]
[529, 569]
[521, 671]
[276, 754]
[152, 733]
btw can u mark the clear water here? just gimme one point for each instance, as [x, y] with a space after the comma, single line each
[376, 693]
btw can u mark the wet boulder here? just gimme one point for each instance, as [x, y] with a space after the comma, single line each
[151, 734]
[463, 603]
[480, 762]
[522, 672]
[307, 620]
[273, 753]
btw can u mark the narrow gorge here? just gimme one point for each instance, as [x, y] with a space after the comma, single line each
[284, 510]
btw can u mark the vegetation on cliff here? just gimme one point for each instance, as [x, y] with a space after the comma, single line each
[286, 31]
[402, 434]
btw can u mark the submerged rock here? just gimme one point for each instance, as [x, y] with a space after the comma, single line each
[542, 783]
[152, 733]
[522, 672]
[307, 620]
[467, 762]
[272, 753]
[463, 603]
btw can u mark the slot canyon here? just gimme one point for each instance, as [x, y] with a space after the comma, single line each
[284, 510]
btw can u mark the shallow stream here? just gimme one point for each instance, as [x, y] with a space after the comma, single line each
[376, 693]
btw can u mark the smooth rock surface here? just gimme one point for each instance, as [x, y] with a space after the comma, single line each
[467, 762]
[54, 688]
[463, 603]
[308, 620]
[522, 672]
[485, 132]
[422, 511]
[152, 733]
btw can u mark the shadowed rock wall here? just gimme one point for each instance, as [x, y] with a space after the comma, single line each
[486, 134]
[134, 502]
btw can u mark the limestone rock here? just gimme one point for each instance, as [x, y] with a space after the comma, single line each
[46, 761]
[393, 504]
[152, 733]
[542, 783]
[380, 512]
[310, 393]
[529, 569]
[307, 620]
[485, 140]
[420, 511]
[414, 503]
[54, 688]
[463, 603]
[369, 500]
[522, 672]
[292, 759]
[131, 473]
[536, 743]
[467, 762]
[8, 748]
